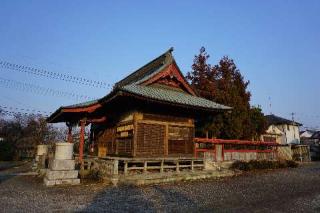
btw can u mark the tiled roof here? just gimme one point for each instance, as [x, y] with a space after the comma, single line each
[147, 70]
[132, 84]
[272, 119]
[83, 104]
[316, 135]
[172, 96]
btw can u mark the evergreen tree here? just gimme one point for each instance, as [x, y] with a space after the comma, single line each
[224, 84]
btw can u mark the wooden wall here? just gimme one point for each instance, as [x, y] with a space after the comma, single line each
[106, 142]
[148, 135]
[163, 135]
[150, 140]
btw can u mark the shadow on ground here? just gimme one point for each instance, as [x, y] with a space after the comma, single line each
[141, 199]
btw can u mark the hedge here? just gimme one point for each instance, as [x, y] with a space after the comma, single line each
[263, 164]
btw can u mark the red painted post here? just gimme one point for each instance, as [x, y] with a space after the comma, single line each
[82, 126]
[70, 134]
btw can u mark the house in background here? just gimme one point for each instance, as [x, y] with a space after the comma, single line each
[306, 134]
[315, 137]
[273, 134]
[281, 130]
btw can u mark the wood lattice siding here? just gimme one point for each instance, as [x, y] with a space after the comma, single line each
[124, 146]
[150, 140]
[180, 140]
[106, 142]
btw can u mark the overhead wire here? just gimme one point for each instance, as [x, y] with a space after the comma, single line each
[53, 75]
[35, 89]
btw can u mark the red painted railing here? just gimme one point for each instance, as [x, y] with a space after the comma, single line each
[223, 142]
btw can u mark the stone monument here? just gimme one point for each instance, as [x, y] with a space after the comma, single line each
[39, 164]
[62, 166]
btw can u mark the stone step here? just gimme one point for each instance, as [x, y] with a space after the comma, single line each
[48, 182]
[55, 175]
[60, 165]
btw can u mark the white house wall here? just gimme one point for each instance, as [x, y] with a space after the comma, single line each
[291, 134]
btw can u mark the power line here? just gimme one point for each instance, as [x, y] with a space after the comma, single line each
[27, 110]
[13, 113]
[26, 87]
[53, 75]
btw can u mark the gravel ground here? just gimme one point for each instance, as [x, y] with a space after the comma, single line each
[285, 190]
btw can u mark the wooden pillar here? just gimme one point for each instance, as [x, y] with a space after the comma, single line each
[166, 140]
[70, 134]
[177, 166]
[135, 135]
[81, 143]
[145, 166]
[125, 168]
[161, 166]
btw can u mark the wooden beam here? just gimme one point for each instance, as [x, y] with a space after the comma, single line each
[97, 120]
[165, 123]
[82, 109]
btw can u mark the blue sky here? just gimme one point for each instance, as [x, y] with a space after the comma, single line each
[274, 43]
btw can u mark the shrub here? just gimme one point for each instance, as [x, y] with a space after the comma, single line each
[291, 164]
[95, 174]
[263, 164]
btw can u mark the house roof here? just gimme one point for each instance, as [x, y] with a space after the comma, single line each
[137, 84]
[273, 130]
[273, 119]
[316, 135]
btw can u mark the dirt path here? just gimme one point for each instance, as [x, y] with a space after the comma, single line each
[286, 190]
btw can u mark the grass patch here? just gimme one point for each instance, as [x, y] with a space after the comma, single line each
[263, 164]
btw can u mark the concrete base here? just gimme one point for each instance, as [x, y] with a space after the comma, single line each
[156, 178]
[61, 172]
[56, 175]
[48, 182]
[62, 165]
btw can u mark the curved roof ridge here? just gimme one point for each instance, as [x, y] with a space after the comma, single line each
[147, 69]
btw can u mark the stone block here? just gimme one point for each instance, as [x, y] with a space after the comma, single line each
[48, 182]
[64, 151]
[60, 165]
[70, 181]
[55, 175]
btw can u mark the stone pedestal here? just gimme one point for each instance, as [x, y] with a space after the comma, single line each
[62, 167]
[40, 159]
[63, 151]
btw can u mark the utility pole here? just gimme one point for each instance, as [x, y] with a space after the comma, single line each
[292, 116]
[270, 105]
